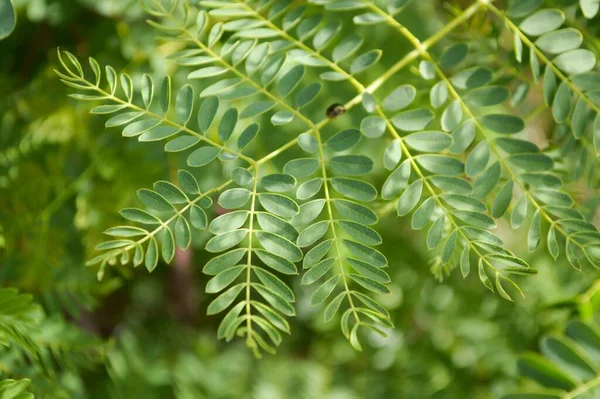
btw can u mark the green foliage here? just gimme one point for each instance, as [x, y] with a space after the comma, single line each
[7, 18]
[268, 144]
[568, 367]
[470, 142]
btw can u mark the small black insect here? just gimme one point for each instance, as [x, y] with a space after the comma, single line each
[335, 110]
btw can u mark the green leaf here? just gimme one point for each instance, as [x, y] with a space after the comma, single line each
[322, 293]
[227, 124]
[532, 162]
[308, 212]
[400, 98]
[275, 300]
[222, 242]
[354, 189]
[122, 119]
[438, 94]
[347, 47]
[487, 181]
[427, 70]
[452, 184]
[301, 167]
[519, 213]
[343, 140]
[463, 136]
[365, 61]
[545, 373]
[333, 306]
[256, 108]
[465, 264]
[290, 80]
[423, 214]
[154, 200]
[396, 181]
[409, 198]
[580, 118]
[392, 155]
[533, 236]
[188, 182]
[219, 263]
[475, 219]
[478, 159]
[503, 199]
[483, 277]
[487, 96]
[279, 205]
[316, 254]
[448, 249]
[431, 141]
[228, 221]
[282, 265]
[151, 257]
[452, 116]
[181, 143]
[351, 164]
[223, 279]
[435, 233]
[277, 225]
[273, 283]
[313, 233]
[207, 112]
[559, 41]
[356, 212]
[307, 94]
[224, 300]
[317, 271]
[165, 94]
[138, 215]
[308, 143]
[413, 120]
[184, 103]
[198, 217]
[183, 236]
[561, 108]
[360, 232]
[454, 55]
[278, 182]
[463, 202]
[542, 21]
[139, 127]
[248, 135]
[552, 243]
[575, 62]
[309, 189]
[168, 246]
[369, 271]
[520, 9]
[203, 156]
[502, 123]
[241, 176]
[234, 198]
[8, 18]
[125, 231]
[518, 47]
[441, 164]
[369, 284]
[170, 192]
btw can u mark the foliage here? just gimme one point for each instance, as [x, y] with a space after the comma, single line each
[267, 144]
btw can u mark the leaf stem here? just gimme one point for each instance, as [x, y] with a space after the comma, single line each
[332, 224]
[249, 339]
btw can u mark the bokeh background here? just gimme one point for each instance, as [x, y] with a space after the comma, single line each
[63, 178]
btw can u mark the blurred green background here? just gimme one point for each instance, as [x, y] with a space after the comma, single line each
[63, 178]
